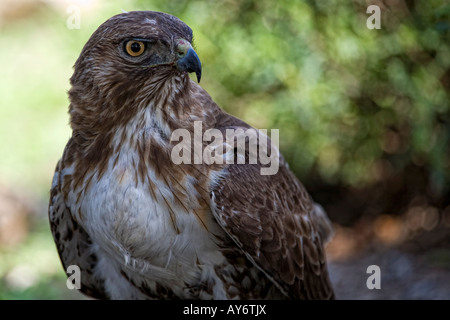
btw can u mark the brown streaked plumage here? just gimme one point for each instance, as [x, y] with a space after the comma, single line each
[140, 226]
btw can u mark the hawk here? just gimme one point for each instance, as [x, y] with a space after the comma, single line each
[139, 225]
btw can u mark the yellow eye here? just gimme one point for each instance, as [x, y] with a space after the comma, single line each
[134, 48]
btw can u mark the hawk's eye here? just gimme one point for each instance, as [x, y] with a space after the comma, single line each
[134, 48]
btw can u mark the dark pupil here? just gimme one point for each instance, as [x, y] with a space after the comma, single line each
[135, 47]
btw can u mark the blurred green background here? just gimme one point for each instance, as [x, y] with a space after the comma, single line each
[363, 114]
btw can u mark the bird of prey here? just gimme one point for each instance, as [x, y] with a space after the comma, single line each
[140, 225]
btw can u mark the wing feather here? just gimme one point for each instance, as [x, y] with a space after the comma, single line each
[73, 243]
[273, 220]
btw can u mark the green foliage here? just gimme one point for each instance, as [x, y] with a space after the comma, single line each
[338, 91]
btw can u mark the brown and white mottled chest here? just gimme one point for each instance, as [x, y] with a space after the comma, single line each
[149, 220]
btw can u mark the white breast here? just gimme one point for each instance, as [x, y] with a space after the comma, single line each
[133, 232]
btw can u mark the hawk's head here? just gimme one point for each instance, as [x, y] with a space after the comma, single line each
[128, 61]
[142, 42]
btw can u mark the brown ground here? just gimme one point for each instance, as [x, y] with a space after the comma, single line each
[415, 268]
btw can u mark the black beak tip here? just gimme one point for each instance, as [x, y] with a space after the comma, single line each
[191, 63]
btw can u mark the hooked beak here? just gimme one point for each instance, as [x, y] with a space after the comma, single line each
[188, 59]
